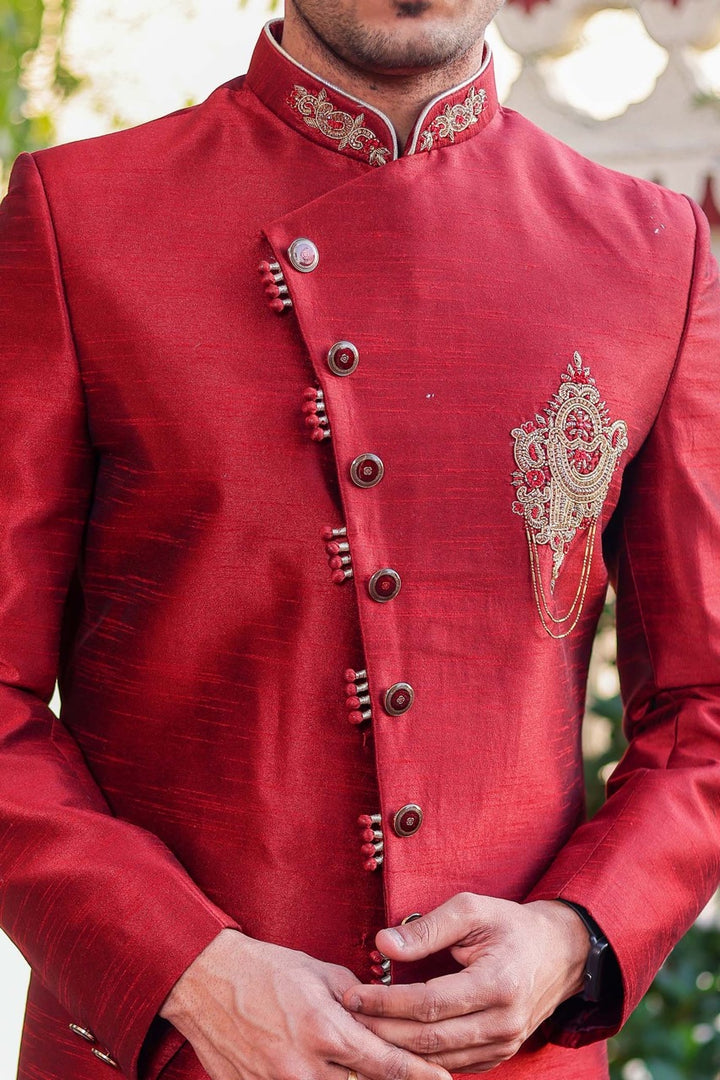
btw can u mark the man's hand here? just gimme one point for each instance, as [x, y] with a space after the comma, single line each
[520, 961]
[255, 1010]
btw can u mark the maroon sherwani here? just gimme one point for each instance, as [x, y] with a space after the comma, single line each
[318, 455]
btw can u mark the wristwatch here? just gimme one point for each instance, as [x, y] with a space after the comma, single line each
[599, 949]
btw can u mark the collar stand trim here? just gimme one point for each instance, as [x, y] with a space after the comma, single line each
[348, 131]
[339, 121]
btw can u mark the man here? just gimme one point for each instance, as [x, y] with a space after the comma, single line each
[383, 480]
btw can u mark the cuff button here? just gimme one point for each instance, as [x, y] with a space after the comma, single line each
[105, 1056]
[83, 1032]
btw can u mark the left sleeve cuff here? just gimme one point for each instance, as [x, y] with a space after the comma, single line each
[577, 1022]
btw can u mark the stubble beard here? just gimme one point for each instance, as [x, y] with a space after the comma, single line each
[380, 50]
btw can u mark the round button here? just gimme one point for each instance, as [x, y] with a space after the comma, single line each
[411, 918]
[343, 358]
[399, 698]
[303, 255]
[384, 585]
[407, 820]
[367, 470]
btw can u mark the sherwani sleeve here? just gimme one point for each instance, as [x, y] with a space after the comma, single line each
[105, 915]
[648, 862]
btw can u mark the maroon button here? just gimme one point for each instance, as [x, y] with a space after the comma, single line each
[343, 358]
[407, 820]
[303, 255]
[399, 698]
[384, 585]
[366, 470]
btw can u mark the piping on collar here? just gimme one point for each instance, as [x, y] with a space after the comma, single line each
[337, 120]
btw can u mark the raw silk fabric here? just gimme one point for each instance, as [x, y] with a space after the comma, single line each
[160, 546]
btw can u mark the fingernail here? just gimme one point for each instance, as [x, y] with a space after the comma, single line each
[397, 938]
[354, 1004]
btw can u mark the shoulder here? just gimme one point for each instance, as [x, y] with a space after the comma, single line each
[610, 203]
[175, 141]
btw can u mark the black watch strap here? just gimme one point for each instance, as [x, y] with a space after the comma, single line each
[599, 948]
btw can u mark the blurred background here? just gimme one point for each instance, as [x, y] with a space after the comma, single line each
[634, 84]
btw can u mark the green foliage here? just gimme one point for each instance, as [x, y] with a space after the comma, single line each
[675, 1029]
[21, 24]
[674, 1034]
[710, 99]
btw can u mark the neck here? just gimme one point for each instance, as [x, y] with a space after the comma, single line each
[401, 96]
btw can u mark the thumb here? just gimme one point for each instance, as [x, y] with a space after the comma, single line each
[441, 928]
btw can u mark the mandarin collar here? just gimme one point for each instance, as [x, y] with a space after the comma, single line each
[338, 121]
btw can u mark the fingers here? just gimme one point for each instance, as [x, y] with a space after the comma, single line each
[444, 926]
[460, 1043]
[427, 1039]
[375, 1059]
[478, 1058]
[439, 999]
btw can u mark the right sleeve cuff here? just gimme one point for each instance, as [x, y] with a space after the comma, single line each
[147, 1042]
[163, 1040]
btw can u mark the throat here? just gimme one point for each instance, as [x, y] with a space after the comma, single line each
[401, 95]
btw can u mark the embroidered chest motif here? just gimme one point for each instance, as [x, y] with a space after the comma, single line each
[565, 461]
[344, 128]
[453, 119]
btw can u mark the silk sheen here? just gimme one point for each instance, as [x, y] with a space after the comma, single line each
[160, 547]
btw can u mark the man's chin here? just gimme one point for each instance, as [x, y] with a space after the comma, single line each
[395, 54]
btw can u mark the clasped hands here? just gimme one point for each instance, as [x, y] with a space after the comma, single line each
[519, 962]
[253, 1010]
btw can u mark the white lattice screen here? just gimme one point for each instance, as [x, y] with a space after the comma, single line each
[673, 135]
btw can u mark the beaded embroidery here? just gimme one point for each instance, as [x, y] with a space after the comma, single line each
[347, 130]
[453, 119]
[565, 461]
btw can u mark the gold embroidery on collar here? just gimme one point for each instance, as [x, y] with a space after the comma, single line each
[453, 119]
[347, 130]
[565, 461]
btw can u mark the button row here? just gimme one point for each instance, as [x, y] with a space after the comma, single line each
[366, 470]
[102, 1053]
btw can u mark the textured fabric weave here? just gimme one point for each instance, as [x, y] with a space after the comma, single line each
[160, 546]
